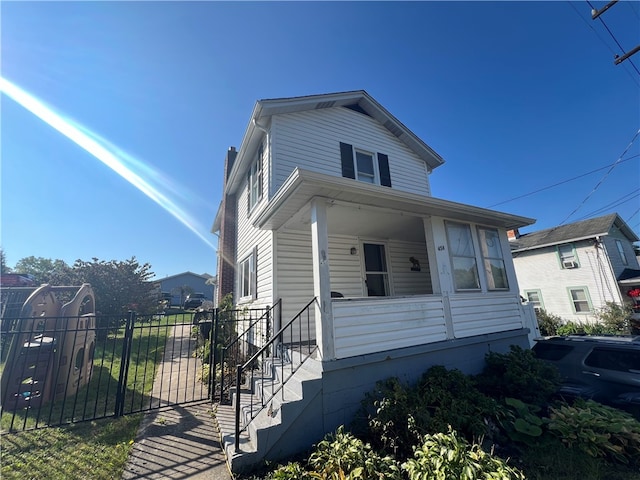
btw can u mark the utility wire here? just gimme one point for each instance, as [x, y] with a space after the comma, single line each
[614, 38]
[615, 164]
[611, 205]
[562, 182]
[590, 25]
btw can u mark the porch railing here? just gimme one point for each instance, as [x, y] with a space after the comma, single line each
[241, 333]
[292, 340]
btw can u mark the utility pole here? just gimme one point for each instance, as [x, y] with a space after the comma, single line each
[595, 14]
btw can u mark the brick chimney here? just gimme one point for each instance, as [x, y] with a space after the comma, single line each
[513, 234]
[228, 229]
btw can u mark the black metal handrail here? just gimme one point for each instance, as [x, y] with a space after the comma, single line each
[235, 344]
[281, 343]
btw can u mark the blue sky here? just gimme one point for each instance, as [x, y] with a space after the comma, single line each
[515, 96]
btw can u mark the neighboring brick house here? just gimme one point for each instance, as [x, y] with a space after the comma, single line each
[573, 270]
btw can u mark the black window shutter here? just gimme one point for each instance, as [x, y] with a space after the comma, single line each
[346, 156]
[383, 164]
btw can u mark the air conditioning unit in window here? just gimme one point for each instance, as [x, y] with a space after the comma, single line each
[569, 264]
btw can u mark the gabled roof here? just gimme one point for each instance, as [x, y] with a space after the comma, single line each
[573, 232]
[358, 100]
[204, 276]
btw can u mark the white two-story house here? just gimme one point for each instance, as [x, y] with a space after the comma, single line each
[573, 270]
[327, 204]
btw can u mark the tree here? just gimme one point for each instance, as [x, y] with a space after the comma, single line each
[45, 270]
[4, 268]
[119, 286]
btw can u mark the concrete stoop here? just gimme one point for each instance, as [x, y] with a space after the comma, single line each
[281, 423]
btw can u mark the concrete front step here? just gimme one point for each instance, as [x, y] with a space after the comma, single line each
[274, 420]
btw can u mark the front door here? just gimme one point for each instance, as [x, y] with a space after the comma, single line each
[376, 274]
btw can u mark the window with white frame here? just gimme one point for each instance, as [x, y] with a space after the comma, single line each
[494, 266]
[364, 166]
[247, 277]
[534, 297]
[580, 299]
[568, 256]
[254, 180]
[463, 257]
[623, 256]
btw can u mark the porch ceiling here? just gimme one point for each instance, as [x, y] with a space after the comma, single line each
[378, 207]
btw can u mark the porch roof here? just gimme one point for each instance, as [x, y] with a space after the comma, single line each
[303, 185]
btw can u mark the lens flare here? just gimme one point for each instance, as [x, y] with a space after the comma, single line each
[124, 164]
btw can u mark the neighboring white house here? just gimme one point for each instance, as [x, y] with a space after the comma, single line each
[328, 198]
[573, 270]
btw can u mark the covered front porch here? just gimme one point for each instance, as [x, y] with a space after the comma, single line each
[390, 269]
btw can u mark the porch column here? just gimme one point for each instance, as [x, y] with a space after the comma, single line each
[322, 279]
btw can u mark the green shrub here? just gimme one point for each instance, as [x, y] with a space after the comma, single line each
[548, 322]
[400, 415]
[445, 456]
[616, 318]
[342, 455]
[521, 422]
[291, 471]
[598, 430]
[518, 374]
[572, 328]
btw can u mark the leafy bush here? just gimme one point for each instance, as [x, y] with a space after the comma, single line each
[521, 421]
[342, 455]
[616, 318]
[291, 471]
[598, 430]
[518, 374]
[548, 322]
[445, 456]
[400, 415]
[572, 328]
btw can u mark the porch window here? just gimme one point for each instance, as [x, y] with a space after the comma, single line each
[375, 264]
[568, 256]
[364, 166]
[254, 180]
[580, 299]
[623, 255]
[493, 259]
[534, 297]
[463, 257]
[247, 277]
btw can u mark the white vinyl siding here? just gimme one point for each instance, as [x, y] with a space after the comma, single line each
[311, 141]
[612, 250]
[482, 314]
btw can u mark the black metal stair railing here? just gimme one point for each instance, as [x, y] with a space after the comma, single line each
[293, 339]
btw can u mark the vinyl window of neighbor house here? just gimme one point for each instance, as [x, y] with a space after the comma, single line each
[247, 277]
[623, 256]
[364, 166]
[254, 180]
[463, 257]
[567, 256]
[493, 259]
[534, 297]
[580, 299]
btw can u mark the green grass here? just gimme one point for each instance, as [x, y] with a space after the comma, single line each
[88, 451]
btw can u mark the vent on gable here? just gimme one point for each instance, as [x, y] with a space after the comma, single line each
[328, 104]
[569, 264]
[393, 128]
[357, 108]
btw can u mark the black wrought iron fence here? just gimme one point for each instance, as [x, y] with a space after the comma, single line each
[62, 370]
[240, 334]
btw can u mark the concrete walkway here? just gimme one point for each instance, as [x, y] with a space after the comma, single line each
[179, 441]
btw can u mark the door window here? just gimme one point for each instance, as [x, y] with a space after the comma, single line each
[375, 264]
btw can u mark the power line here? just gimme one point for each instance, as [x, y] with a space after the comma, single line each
[615, 164]
[562, 182]
[613, 204]
[614, 38]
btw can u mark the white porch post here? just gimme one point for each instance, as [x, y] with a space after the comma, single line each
[322, 279]
[435, 229]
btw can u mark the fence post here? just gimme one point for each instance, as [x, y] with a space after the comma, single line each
[213, 353]
[238, 382]
[125, 359]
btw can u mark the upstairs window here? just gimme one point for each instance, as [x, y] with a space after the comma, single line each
[568, 257]
[623, 255]
[493, 260]
[463, 257]
[364, 166]
[254, 180]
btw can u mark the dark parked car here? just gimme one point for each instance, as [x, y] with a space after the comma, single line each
[194, 300]
[602, 368]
